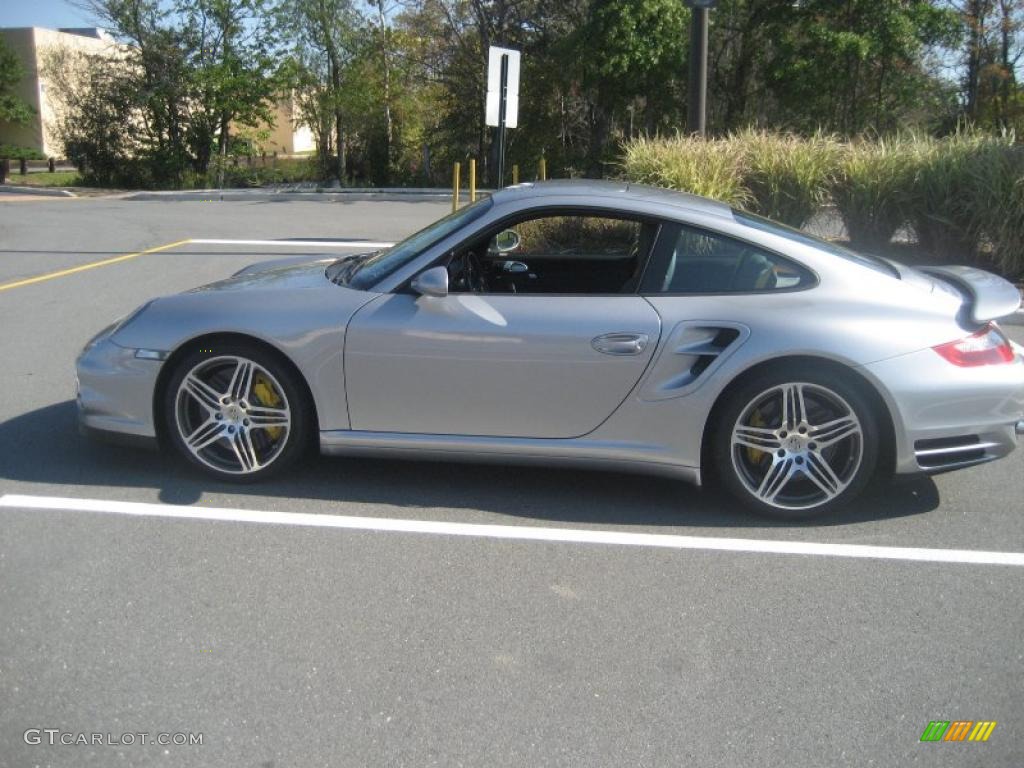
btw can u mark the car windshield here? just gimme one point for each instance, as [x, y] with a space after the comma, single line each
[796, 236]
[383, 263]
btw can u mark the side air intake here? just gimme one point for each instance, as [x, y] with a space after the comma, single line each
[693, 350]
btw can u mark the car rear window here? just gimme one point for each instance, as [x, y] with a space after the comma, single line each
[796, 236]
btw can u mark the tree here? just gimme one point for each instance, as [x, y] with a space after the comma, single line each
[187, 71]
[991, 52]
[636, 53]
[13, 108]
[98, 118]
[855, 65]
[232, 72]
[324, 39]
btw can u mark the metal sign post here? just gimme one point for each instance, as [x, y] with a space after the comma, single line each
[502, 109]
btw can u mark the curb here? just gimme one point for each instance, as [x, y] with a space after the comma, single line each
[281, 190]
[250, 192]
[39, 191]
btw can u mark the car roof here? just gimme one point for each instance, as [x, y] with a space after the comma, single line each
[613, 190]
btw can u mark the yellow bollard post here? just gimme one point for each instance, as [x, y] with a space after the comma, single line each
[472, 180]
[515, 174]
[455, 187]
[543, 169]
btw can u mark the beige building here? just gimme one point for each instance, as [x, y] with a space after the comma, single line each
[31, 45]
[286, 137]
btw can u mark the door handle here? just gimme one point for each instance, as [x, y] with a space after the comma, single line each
[515, 267]
[621, 343]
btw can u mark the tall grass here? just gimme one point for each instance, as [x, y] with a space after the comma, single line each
[962, 195]
[707, 168]
[870, 190]
[994, 216]
[938, 201]
[788, 176]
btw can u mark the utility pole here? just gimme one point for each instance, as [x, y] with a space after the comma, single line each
[697, 91]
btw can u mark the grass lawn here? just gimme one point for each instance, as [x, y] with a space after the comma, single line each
[44, 179]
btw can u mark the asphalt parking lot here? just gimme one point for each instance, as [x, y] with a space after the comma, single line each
[303, 645]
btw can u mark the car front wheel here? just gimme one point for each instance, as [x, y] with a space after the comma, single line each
[236, 412]
[796, 442]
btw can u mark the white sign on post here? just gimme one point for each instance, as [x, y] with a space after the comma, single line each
[492, 113]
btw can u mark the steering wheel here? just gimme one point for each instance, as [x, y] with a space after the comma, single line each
[473, 273]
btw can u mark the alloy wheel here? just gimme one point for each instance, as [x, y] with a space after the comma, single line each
[232, 415]
[797, 446]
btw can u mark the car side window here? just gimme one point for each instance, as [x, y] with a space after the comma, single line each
[557, 253]
[696, 261]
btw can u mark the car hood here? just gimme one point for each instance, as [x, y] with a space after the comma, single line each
[293, 273]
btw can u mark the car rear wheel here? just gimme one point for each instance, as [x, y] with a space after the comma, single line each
[796, 442]
[236, 412]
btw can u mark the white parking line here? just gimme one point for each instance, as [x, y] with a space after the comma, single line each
[295, 243]
[515, 532]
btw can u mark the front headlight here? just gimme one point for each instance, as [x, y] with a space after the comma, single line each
[115, 326]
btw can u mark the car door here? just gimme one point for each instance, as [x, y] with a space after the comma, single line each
[510, 364]
[500, 365]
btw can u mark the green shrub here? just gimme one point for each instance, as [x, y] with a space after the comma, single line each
[263, 171]
[995, 204]
[937, 201]
[707, 168]
[963, 194]
[788, 176]
[871, 190]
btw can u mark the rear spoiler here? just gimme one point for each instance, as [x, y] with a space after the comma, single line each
[988, 296]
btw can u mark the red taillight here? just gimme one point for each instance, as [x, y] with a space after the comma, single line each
[986, 347]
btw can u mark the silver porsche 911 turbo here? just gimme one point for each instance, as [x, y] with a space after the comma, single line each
[602, 324]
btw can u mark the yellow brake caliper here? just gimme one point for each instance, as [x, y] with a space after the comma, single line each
[756, 456]
[266, 395]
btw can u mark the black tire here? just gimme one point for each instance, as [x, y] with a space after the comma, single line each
[750, 474]
[275, 380]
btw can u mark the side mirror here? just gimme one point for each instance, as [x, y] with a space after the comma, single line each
[507, 240]
[432, 282]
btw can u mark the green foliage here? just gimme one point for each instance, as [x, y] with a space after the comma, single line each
[11, 152]
[94, 103]
[154, 114]
[45, 179]
[870, 190]
[788, 176]
[261, 171]
[780, 176]
[997, 203]
[967, 199]
[229, 71]
[633, 42]
[856, 65]
[962, 195]
[937, 202]
[383, 84]
[708, 168]
[12, 108]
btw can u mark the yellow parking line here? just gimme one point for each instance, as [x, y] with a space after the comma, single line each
[91, 265]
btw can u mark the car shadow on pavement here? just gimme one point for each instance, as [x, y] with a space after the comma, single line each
[44, 446]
